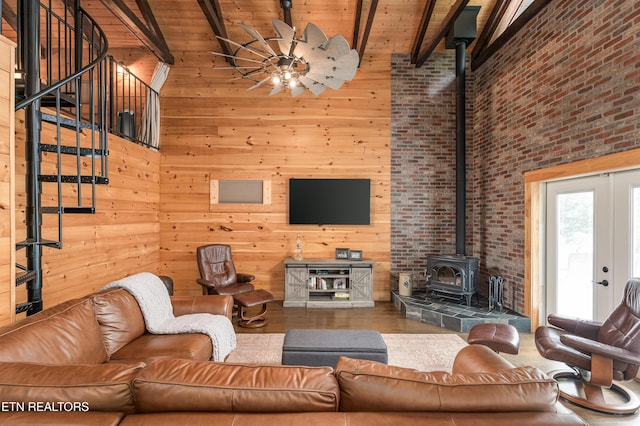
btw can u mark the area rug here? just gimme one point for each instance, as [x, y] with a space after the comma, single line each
[424, 352]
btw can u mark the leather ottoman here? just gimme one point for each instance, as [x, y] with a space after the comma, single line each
[324, 347]
[249, 300]
[499, 337]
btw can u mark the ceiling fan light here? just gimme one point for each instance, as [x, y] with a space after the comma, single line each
[287, 75]
[275, 79]
[293, 83]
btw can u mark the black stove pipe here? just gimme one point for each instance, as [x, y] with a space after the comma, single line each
[461, 160]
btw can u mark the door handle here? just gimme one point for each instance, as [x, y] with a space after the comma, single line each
[603, 283]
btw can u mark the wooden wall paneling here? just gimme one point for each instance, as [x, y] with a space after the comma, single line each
[7, 185]
[218, 130]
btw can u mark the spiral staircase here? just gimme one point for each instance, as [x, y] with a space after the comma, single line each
[61, 79]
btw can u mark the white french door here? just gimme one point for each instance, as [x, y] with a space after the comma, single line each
[592, 243]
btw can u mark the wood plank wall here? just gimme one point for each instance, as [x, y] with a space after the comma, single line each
[7, 187]
[216, 129]
[156, 210]
[122, 238]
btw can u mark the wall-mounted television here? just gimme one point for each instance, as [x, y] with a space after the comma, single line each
[329, 201]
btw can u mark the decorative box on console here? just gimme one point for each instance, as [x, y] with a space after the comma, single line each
[452, 275]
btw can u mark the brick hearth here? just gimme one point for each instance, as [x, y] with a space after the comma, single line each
[454, 315]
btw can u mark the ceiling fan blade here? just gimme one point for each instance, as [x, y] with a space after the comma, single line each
[334, 50]
[256, 35]
[313, 86]
[333, 60]
[236, 58]
[297, 91]
[247, 74]
[285, 35]
[311, 39]
[325, 80]
[276, 89]
[238, 68]
[335, 47]
[260, 83]
[345, 66]
[313, 35]
[341, 68]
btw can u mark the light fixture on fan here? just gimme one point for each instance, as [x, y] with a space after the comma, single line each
[311, 61]
[286, 74]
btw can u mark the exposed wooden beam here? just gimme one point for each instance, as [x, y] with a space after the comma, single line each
[451, 17]
[508, 33]
[213, 13]
[360, 47]
[151, 40]
[356, 25]
[422, 30]
[150, 20]
[10, 16]
[497, 15]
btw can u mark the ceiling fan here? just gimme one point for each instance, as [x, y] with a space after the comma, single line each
[293, 62]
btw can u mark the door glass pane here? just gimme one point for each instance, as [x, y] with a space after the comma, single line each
[635, 226]
[575, 254]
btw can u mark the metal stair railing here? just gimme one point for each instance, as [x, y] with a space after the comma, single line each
[127, 103]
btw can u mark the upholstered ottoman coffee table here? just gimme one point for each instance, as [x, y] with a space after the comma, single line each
[324, 347]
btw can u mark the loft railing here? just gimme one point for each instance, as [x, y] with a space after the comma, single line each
[109, 95]
[127, 102]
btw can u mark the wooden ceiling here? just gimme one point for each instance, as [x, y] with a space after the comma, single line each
[383, 26]
[416, 27]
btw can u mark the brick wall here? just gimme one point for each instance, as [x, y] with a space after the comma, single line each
[565, 88]
[423, 133]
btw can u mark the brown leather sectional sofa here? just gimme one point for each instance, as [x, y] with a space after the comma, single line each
[89, 361]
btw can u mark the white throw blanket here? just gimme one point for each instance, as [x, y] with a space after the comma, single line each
[153, 298]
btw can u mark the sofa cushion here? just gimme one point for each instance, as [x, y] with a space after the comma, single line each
[68, 334]
[99, 387]
[194, 346]
[119, 317]
[372, 386]
[181, 385]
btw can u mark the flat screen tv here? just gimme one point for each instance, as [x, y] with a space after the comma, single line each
[329, 201]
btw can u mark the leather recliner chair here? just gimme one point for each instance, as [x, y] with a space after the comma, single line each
[598, 353]
[218, 274]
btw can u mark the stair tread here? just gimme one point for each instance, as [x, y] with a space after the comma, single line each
[100, 180]
[23, 307]
[67, 100]
[68, 122]
[31, 242]
[73, 150]
[24, 277]
[69, 210]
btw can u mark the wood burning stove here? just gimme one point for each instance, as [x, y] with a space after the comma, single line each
[457, 275]
[453, 276]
